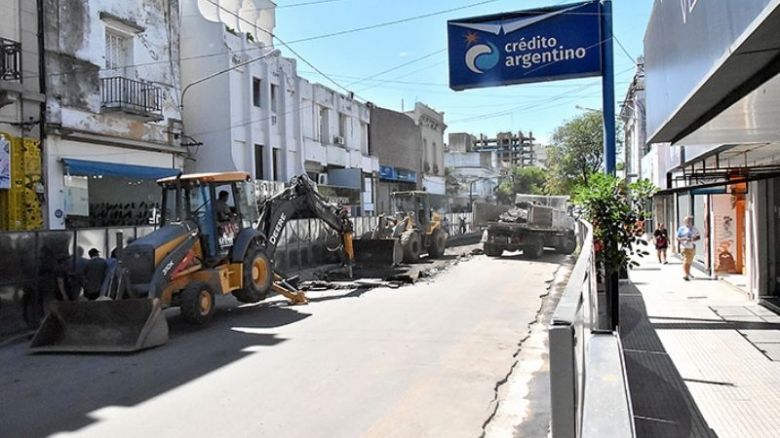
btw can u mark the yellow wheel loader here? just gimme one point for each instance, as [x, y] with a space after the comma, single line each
[418, 229]
[212, 240]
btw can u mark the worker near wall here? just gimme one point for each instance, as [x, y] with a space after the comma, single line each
[94, 274]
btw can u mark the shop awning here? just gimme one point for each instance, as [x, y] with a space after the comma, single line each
[98, 168]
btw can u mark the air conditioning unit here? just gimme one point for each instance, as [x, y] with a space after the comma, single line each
[338, 140]
[322, 179]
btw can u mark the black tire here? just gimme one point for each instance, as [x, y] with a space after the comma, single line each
[438, 243]
[410, 242]
[258, 276]
[492, 250]
[197, 303]
[568, 245]
[535, 249]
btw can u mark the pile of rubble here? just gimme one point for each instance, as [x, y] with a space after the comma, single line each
[514, 215]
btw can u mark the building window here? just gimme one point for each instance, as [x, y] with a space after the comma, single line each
[259, 161]
[364, 137]
[257, 91]
[276, 175]
[117, 50]
[342, 125]
[274, 98]
[322, 123]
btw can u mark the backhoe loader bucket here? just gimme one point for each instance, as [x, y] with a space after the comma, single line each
[378, 252]
[110, 326]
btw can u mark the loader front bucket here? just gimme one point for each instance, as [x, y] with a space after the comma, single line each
[378, 252]
[110, 326]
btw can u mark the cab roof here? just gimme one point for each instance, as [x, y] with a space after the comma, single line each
[411, 193]
[206, 177]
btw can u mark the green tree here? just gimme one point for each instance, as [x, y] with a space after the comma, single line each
[529, 180]
[576, 153]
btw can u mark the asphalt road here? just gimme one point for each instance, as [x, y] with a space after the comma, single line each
[421, 360]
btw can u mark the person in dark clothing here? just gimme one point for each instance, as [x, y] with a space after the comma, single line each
[94, 273]
[661, 238]
[76, 274]
[462, 220]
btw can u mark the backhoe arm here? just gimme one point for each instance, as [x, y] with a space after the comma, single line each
[301, 200]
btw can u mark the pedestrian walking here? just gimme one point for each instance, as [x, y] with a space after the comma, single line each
[661, 240]
[687, 234]
[462, 220]
[94, 273]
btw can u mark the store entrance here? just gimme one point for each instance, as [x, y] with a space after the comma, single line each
[728, 237]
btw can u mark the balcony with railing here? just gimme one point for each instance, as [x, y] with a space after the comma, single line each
[10, 60]
[139, 98]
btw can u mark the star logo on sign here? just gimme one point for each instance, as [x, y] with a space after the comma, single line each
[471, 38]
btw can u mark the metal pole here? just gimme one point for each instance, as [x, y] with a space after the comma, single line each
[608, 106]
[471, 195]
[608, 86]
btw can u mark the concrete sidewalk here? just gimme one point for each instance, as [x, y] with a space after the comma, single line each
[702, 359]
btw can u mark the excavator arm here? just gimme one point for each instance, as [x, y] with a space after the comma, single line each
[300, 201]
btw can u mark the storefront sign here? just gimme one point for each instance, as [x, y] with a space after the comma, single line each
[389, 173]
[5, 163]
[544, 44]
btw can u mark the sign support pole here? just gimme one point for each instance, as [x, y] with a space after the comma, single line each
[608, 107]
[608, 87]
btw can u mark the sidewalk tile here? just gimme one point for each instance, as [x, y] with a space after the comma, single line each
[702, 359]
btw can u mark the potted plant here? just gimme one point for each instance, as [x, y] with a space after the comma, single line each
[614, 209]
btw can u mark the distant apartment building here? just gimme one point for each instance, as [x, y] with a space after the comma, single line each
[512, 149]
[259, 116]
[113, 124]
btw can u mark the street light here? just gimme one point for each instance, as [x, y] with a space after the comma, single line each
[471, 188]
[587, 109]
[275, 52]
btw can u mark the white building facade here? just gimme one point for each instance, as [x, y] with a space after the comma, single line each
[112, 119]
[432, 127]
[259, 116]
[477, 175]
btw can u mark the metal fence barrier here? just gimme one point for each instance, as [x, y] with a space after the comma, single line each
[29, 260]
[588, 385]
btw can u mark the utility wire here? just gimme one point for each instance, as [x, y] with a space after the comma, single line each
[287, 46]
[391, 23]
[633, 61]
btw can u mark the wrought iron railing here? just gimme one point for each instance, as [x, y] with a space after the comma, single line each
[10, 60]
[129, 95]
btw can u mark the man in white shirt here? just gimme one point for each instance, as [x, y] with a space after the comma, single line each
[687, 234]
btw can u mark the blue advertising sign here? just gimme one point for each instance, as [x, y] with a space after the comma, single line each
[544, 44]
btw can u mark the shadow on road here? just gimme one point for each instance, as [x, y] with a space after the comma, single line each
[58, 393]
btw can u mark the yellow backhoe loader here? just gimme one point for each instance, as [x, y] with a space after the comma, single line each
[414, 225]
[212, 240]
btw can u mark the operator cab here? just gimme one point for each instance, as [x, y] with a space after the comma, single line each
[220, 204]
[415, 202]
